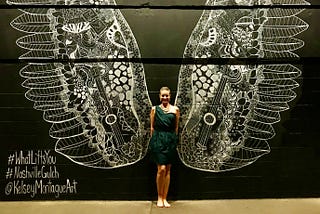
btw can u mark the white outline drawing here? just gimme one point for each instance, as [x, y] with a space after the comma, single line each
[228, 110]
[99, 111]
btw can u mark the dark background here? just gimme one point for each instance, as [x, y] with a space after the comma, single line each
[291, 169]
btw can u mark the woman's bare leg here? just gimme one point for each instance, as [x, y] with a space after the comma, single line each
[160, 180]
[166, 185]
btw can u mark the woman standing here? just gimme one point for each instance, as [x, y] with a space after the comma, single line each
[164, 120]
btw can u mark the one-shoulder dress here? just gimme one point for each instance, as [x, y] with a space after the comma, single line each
[164, 139]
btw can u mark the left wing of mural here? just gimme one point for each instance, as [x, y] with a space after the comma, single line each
[99, 110]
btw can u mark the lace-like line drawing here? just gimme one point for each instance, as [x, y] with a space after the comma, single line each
[100, 111]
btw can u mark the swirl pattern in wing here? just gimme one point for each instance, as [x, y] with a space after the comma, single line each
[99, 110]
[234, 106]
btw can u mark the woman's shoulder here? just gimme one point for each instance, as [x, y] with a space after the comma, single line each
[176, 108]
[153, 109]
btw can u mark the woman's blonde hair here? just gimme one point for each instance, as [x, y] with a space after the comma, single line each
[165, 88]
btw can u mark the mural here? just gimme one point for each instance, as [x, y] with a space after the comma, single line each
[100, 111]
[234, 106]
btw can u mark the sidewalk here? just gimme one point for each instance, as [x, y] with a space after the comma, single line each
[260, 206]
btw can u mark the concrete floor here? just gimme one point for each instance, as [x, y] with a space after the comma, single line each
[260, 206]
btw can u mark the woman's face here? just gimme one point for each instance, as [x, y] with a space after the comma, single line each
[164, 96]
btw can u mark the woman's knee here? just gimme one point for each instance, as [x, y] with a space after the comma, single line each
[162, 169]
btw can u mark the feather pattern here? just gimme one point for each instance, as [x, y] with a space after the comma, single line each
[234, 107]
[93, 107]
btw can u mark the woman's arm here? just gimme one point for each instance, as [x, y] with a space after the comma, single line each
[152, 113]
[177, 119]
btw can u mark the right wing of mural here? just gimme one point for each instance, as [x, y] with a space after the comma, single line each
[99, 110]
[233, 107]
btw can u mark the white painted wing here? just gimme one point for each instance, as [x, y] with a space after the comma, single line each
[228, 110]
[99, 111]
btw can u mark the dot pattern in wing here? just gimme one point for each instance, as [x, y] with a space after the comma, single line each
[99, 110]
[234, 106]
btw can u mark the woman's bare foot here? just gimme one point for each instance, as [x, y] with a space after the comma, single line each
[160, 203]
[166, 204]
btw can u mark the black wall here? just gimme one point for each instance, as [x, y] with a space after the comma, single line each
[291, 169]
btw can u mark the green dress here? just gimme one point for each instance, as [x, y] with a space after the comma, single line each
[164, 139]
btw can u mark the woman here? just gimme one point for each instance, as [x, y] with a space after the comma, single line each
[164, 120]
